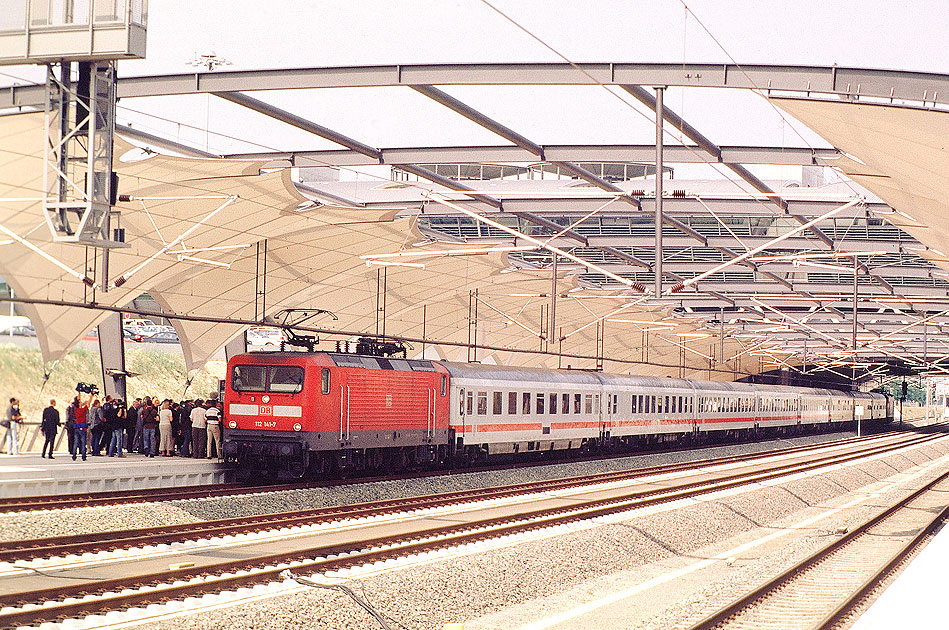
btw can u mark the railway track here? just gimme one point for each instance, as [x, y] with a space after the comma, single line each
[92, 499]
[118, 497]
[94, 542]
[363, 545]
[825, 588]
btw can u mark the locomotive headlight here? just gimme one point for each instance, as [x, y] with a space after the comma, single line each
[297, 427]
[265, 398]
[232, 424]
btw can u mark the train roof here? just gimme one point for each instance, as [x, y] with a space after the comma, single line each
[479, 371]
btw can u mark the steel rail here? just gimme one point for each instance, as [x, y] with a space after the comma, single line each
[721, 616]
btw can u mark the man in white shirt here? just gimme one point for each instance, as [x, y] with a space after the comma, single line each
[199, 430]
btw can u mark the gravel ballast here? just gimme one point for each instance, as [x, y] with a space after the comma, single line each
[506, 587]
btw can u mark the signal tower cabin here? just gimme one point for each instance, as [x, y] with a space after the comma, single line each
[79, 42]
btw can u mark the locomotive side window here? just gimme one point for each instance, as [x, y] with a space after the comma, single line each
[325, 381]
[497, 403]
[286, 379]
[444, 384]
[249, 378]
[511, 403]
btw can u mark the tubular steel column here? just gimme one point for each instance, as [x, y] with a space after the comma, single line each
[658, 265]
[854, 371]
[552, 335]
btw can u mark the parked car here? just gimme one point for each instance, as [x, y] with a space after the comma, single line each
[19, 331]
[163, 337]
[265, 338]
[130, 334]
[135, 323]
[127, 334]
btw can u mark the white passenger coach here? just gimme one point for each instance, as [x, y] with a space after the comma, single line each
[496, 410]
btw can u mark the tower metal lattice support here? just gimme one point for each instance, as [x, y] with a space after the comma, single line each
[79, 185]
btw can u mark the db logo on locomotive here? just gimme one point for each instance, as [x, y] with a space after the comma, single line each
[266, 410]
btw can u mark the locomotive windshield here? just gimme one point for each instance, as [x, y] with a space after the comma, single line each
[283, 379]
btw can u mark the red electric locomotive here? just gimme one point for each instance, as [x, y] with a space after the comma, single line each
[289, 412]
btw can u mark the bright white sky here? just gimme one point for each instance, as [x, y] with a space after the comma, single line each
[905, 35]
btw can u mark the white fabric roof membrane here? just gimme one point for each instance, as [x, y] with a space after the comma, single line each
[898, 153]
[313, 261]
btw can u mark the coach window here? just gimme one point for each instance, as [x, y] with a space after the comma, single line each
[587, 403]
[511, 403]
[540, 403]
[565, 404]
[444, 384]
[552, 406]
[576, 403]
[497, 403]
[526, 404]
[596, 403]
[470, 403]
[461, 402]
[482, 403]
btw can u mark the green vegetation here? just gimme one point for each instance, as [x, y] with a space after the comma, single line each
[161, 374]
[914, 392]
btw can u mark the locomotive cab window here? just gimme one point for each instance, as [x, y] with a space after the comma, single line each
[444, 385]
[249, 378]
[281, 379]
[325, 381]
[286, 379]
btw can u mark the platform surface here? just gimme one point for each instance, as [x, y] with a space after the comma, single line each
[30, 474]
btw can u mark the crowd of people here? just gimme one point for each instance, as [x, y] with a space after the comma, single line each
[110, 427]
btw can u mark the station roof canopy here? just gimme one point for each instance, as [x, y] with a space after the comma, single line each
[452, 247]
